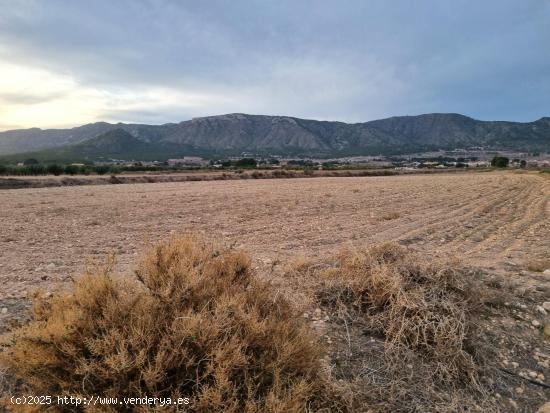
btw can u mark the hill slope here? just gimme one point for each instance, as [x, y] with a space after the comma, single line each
[237, 133]
[114, 144]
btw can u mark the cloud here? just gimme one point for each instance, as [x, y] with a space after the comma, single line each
[22, 98]
[57, 100]
[161, 61]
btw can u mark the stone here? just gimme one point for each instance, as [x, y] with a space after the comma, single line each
[535, 323]
[541, 309]
[533, 374]
[546, 305]
[545, 408]
[546, 272]
[4, 310]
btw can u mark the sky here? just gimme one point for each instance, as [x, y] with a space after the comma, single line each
[67, 63]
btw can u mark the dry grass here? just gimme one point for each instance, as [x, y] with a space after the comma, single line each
[390, 216]
[424, 313]
[196, 323]
[415, 304]
[539, 265]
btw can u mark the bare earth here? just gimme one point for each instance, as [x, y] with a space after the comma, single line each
[496, 221]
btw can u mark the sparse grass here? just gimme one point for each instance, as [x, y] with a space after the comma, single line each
[196, 323]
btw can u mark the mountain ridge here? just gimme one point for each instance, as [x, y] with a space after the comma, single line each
[235, 133]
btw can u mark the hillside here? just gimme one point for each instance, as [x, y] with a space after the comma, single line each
[237, 133]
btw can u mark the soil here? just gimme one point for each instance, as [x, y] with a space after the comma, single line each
[498, 222]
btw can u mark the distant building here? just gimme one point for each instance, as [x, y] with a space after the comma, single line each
[188, 161]
[479, 164]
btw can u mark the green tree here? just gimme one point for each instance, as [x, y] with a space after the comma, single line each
[54, 169]
[500, 162]
[101, 169]
[246, 163]
[72, 169]
[36, 169]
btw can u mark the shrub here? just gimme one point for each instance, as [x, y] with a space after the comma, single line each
[416, 304]
[55, 169]
[35, 169]
[281, 173]
[85, 169]
[246, 163]
[101, 169]
[115, 169]
[72, 169]
[196, 323]
[114, 180]
[500, 162]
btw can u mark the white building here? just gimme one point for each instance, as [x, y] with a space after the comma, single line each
[188, 161]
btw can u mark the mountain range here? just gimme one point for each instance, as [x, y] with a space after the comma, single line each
[234, 134]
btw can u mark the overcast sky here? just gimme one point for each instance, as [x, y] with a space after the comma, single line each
[66, 63]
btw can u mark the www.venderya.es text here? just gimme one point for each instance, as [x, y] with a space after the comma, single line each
[99, 400]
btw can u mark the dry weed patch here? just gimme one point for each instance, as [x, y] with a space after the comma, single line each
[539, 265]
[197, 324]
[423, 314]
[390, 216]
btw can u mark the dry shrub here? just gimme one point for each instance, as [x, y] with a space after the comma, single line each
[257, 175]
[409, 328]
[415, 303]
[282, 173]
[197, 324]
